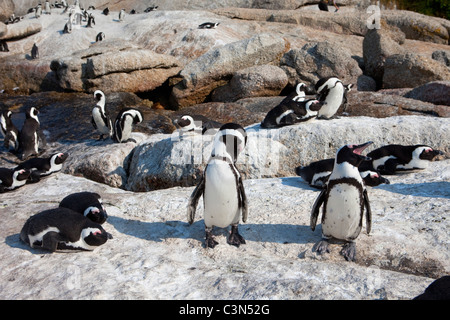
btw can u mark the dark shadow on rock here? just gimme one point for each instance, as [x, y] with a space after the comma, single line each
[438, 189]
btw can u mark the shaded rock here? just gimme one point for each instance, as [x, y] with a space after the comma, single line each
[3, 29]
[410, 70]
[442, 56]
[436, 92]
[21, 30]
[216, 67]
[258, 81]
[366, 83]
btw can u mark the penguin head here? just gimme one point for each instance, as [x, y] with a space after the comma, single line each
[230, 140]
[95, 235]
[58, 158]
[32, 113]
[186, 123]
[373, 179]
[429, 153]
[21, 175]
[96, 213]
[313, 104]
[351, 153]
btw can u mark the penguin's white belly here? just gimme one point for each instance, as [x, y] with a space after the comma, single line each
[414, 164]
[332, 102]
[380, 162]
[127, 127]
[102, 127]
[221, 196]
[343, 213]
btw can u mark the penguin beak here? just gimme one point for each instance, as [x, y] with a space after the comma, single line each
[357, 149]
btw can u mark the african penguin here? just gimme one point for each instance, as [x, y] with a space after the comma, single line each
[43, 166]
[150, 9]
[35, 52]
[105, 11]
[62, 229]
[86, 203]
[121, 14]
[330, 91]
[300, 90]
[391, 158]
[38, 11]
[344, 199]
[11, 178]
[91, 21]
[197, 124]
[323, 5]
[224, 199]
[100, 37]
[9, 131]
[100, 118]
[439, 289]
[124, 124]
[289, 112]
[208, 25]
[29, 135]
[3, 46]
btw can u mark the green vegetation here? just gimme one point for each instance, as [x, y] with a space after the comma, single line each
[437, 8]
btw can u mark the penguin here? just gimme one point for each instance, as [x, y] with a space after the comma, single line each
[197, 123]
[439, 289]
[121, 14]
[347, 89]
[29, 135]
[43, 166]
[105, 11]
[38, 11]
[300, 90]
[91, 21]
[3, 46]
[344, 199]
[100, 118]
[323, 5]
[123, 125]
[330, 92]
[9, 131]
[11, 179]
[150, 9]
[35, 52]
[290, 112]
[68, 27]
[100, 37]
[209, 25]
[392, 158]
[62, 229]
[224, 199]
[47, 8]
[318, 172]
[86, 203]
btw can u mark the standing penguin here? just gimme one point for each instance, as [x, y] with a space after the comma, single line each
[9, 131]
[88, 204]
[43, 166]
[11, 178]
[91, 21]
[35, 52]
[29, 135]
[223, 192]
[124, 124]
[121, 15]
[48, 10]
[38, 11]
[344, 199]
[62, 229]
[100, 118]
[331, 92]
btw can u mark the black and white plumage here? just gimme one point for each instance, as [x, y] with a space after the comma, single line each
[91, 21]
[9, 131]
[150, 9]
[290, 111]
[394, 157]
[100, 118]
[106, 11]
[122, 14]
[43, 166]
[35, 52]
[317, 173]
[208, 25]
[11, 178]
[100, 37]
[197, 124]
[123, 125]
[439, 289]
[86, 203]
[221, 186]
[29, 136]
[331, 92]
[344, 199]
[3, 46]
[62, 229]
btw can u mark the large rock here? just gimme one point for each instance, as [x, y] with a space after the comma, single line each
[258, 81]
[410, 70]
[21, 30]
[436, 92]
[216, 67]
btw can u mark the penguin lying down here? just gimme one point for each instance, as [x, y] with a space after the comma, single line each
[43, 166]
[11, 179]
[89, 204]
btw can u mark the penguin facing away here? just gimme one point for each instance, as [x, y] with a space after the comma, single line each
[391, 158]
[123, 125]
[330, 92]
[62, 229]
[221, 186]
[86, 203]
[29, 135]
[9, 131]
[100, 118]
[43, 166]
[11, 178]
[35, 52]
[344, 199]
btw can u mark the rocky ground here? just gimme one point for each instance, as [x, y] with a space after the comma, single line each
[161, 64]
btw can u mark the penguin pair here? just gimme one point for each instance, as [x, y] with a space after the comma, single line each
[123, 125]
[74, 225]
[224, 199]
[197, 124]
[44, 166]
[332, 93]
[295, 108]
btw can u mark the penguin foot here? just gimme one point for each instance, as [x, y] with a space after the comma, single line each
[235, 239]
[209, 240]
[321, 247]
[349, 251]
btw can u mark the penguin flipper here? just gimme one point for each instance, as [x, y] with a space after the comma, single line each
[315, 209]
[368, 212]
[93, 123]
[244, 202]
[193, 200]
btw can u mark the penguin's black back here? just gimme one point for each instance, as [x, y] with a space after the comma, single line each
[80, 201]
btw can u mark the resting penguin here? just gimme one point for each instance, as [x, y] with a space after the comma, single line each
[62, 229]
[100, 37]
[86, 203]
[29, 135]
[290, 112]
[300, 90]
[9, 131]
[11, 178]
[43, 166]
[100, 118]
[208, 25]
[344, 199]
[391, 158]
[197, 123]
[105, 11]
[330, 92]
[224, 198]
[124, 124]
